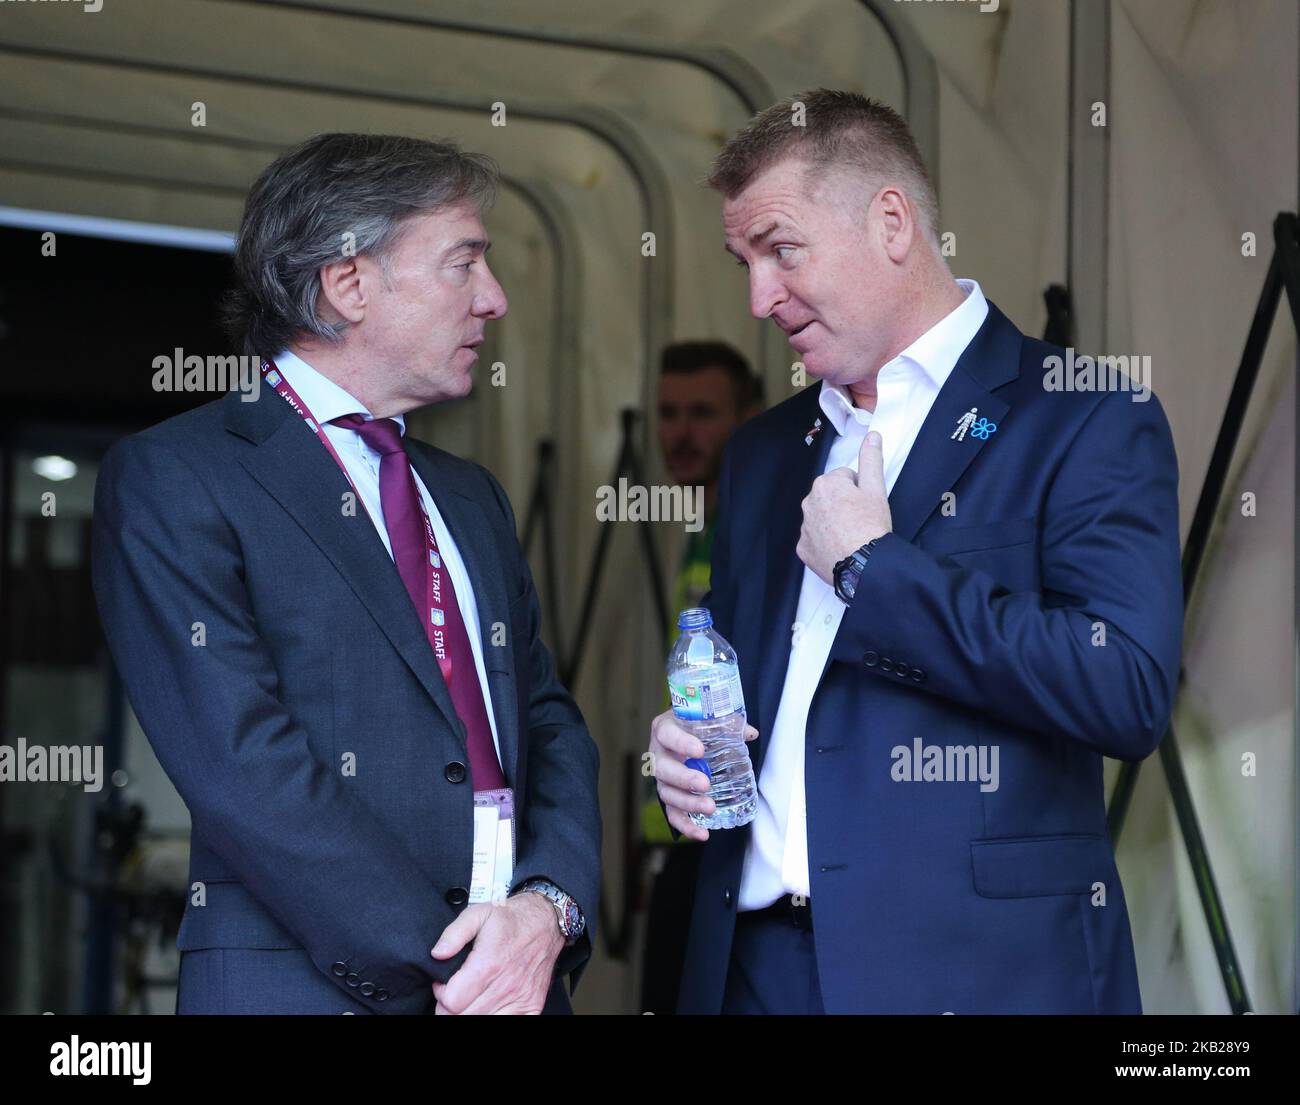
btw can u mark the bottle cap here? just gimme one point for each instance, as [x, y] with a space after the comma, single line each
[698, 763]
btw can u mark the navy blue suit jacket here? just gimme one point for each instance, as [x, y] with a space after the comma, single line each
[975, 628]
[315, 888]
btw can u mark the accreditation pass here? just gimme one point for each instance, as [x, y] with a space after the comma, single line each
[494, 845]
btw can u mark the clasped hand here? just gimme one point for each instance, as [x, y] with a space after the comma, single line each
[511, 965]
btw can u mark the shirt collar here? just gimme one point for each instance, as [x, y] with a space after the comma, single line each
[935, 353]
[322, 396]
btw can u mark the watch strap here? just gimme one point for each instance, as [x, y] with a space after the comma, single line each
[853, 565]
[572, 922]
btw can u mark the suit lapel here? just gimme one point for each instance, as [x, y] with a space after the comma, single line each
[298, 472]
[800, 464]
[937, 460]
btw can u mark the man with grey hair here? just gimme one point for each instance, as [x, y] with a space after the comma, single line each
[330, 634]
[951, 592]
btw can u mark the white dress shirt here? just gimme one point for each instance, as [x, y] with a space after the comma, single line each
[776, 858]
[326, 400]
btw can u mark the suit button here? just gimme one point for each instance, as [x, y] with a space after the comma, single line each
[381, 995]
[457, 895]
[340, 969]
[454, 772]
[367, 988]
[901, 670]
[886, 664]
[726, 897]
[353, 979]
[870, 659]
[918, 676]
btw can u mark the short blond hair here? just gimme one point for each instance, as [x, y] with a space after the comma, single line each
[839, 128]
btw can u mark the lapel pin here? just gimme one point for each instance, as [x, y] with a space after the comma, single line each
[980, 428]
[816, 429]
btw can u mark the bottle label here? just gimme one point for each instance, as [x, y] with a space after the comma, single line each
[717, 698]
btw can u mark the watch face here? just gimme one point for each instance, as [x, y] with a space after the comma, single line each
[846, 578]
[572, 919]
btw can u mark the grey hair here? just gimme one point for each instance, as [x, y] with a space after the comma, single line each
[332, 196]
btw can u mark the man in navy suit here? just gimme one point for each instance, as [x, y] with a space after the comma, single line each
[952, 586]
[329, 632]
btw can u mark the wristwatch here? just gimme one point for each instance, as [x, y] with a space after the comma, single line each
[572, 922]
[849, 570]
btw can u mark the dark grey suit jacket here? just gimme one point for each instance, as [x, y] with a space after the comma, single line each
[283, 677]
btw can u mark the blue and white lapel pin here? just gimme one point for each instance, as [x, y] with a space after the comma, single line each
[979, 428]
[812, 433]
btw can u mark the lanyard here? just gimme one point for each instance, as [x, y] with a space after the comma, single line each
[433, 565]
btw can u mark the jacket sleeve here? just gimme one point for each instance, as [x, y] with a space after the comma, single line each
[164, 558]
[561, 805]
[1095, 656]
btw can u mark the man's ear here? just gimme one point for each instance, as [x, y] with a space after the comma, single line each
[342, 292]
[897, 223]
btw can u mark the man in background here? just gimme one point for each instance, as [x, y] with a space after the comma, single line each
[706, 390]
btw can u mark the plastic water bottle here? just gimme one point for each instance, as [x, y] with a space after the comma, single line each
[704, 683]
